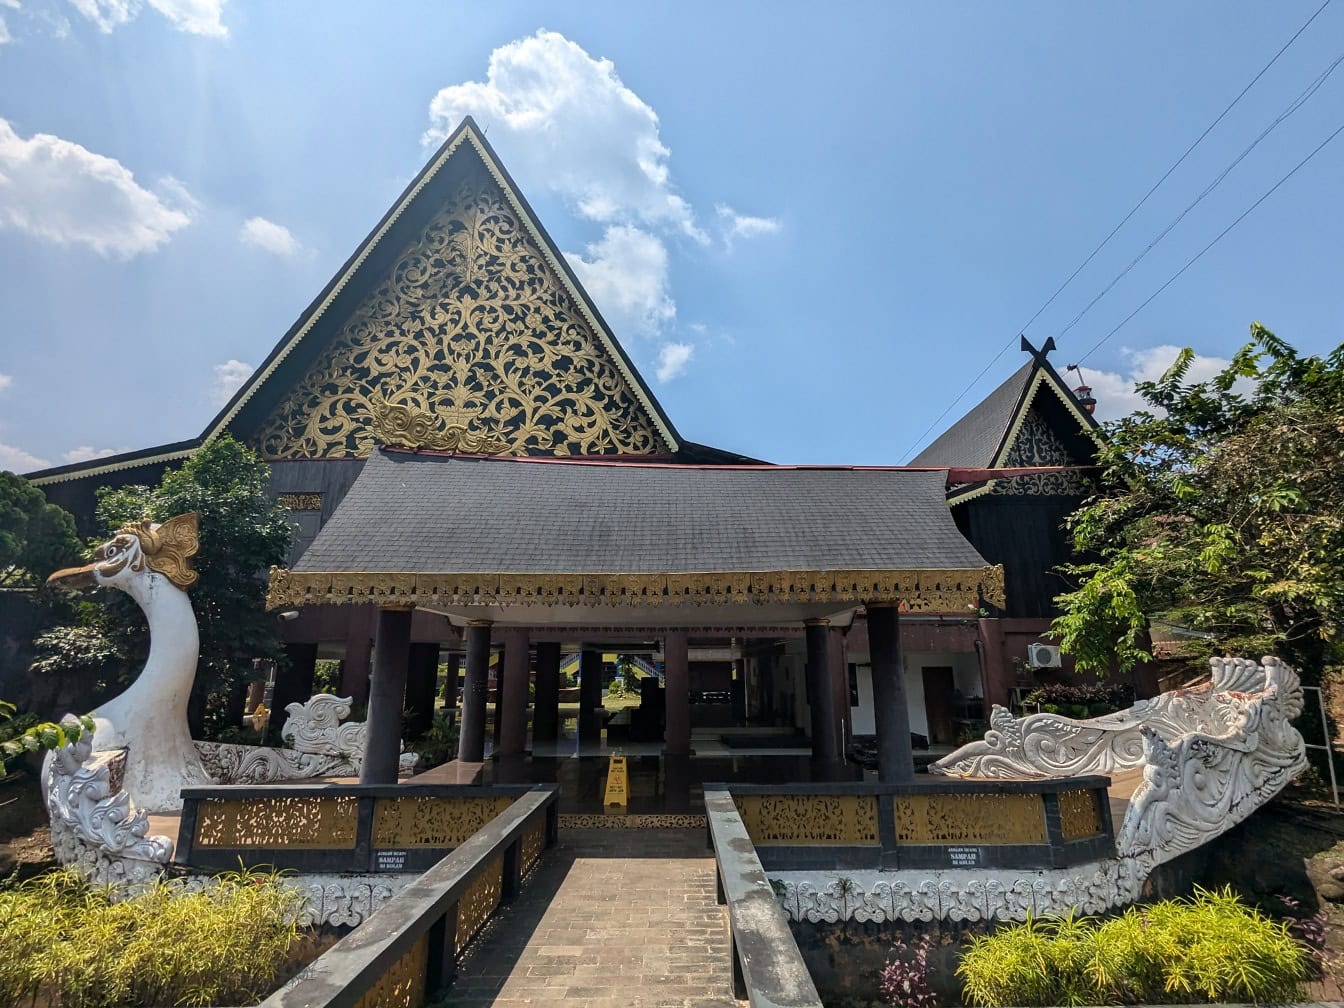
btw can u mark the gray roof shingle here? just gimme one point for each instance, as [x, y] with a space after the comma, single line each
[426, 513]
[972, 441]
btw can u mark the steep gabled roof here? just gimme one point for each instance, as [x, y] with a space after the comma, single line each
[312, 331]
[984, 437]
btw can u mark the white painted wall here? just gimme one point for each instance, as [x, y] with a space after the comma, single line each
[965, 677]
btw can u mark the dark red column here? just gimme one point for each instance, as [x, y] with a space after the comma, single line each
[821, 692]
[676, 693]
[590, 696]
[895, 761]
[387, 693]
[358, 662]
[513, 709]
[471, 740]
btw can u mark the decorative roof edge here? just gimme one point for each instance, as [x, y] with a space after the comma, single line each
[918, 590]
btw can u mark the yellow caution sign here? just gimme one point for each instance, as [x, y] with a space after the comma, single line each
[618, 786]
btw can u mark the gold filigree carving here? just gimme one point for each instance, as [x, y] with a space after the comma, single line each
[1078, 816]
[805, 820]
[970, 819]
[479, 901]
[471, 323]
[407, 427]
[1037, 445]
[916, 591]
[402, 986]
[169, 548]
[300, 501]
[279, 823]
[432, 821]
[533, 842]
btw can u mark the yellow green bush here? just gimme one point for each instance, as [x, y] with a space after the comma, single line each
[69, 945]
[1212, 947]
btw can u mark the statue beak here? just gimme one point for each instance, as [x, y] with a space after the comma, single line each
[73, 578]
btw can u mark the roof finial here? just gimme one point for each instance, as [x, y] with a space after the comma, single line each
[1040, 354]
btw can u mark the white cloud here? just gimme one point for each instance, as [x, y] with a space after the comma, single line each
[62, 192]
[11, 4]
[578, 130]
[5, 381]
[198, 17]
[672, 360]
[1115, 393]
[736, 225]
[19, 461]
[85, 453]
[626, 274]
[5, 36]
[229, 378]
[269, 237]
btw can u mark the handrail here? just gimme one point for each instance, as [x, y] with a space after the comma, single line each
[426, 909]
[768, 968]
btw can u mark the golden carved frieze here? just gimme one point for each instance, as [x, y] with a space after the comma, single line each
[916, 591]
[1078, 815]
[432, 821]
[406, 426]
[970, 819]
[403, 985]
[470, 338]
[479, 901]
[300, 501]
[804, 820]
[308, 823]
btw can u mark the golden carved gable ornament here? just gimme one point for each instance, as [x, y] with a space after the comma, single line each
[486, 349]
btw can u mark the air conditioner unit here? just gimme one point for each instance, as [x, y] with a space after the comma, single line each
[1043, 655]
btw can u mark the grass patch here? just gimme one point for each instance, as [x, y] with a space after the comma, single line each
[66, 943]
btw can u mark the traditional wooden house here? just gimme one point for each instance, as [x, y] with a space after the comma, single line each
[451, 414]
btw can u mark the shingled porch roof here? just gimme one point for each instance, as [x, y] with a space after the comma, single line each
[463, 535]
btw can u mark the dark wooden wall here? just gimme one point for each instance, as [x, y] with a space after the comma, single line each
[1027, 536]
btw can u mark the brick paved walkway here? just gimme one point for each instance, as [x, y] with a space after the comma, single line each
[610, 919]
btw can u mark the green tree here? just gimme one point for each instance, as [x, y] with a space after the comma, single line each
[1221, 510]
[36, 538]
[242, 534]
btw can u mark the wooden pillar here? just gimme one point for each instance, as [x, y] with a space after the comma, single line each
[293, 684]
[358, 661]
[387, 693]
[677, 694]
[895, 762]
[471, 740]
[996, 676]
[590, 696]
[422, 680]
[546, 704]
[821, 691]
[840, 685]
[454, 663]
[497, 726]
[513, 677]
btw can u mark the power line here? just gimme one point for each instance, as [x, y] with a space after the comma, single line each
[1175, 276]
[1133, 210]
[1293, 106]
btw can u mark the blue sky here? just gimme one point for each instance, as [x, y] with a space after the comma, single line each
[811, 225]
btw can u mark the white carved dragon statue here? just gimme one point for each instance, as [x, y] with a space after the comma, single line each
[152, 564]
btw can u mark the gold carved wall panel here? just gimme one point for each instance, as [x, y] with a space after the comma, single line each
[479, 901]
[533, 843]
[278, 823]
[431, 822]
[1078, 815]
[970, 819]
[402, 986]
[802, 820]
[470, 343]
[1037, 445]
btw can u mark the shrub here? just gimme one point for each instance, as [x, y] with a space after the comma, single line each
[439, 744]
[1083, 700]
[69, 944]
[1212, 947]
[905, 977]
